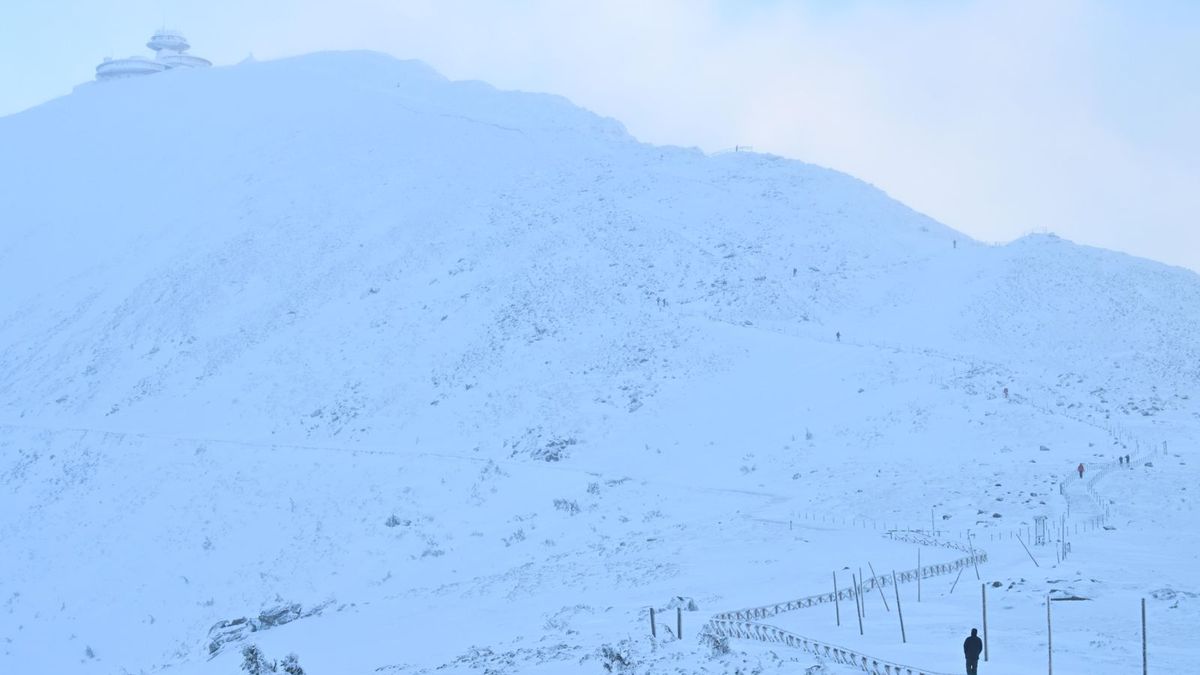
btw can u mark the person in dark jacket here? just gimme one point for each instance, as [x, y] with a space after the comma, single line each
[972, 648]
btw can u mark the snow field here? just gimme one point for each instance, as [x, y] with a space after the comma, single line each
[475, 378]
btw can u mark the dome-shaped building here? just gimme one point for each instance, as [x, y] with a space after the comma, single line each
[170, 51]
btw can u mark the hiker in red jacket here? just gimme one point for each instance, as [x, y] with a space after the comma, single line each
[1080, 469]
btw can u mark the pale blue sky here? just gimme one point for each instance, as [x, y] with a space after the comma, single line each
[998, 118]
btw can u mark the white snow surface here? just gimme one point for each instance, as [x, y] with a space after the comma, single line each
[476, 379]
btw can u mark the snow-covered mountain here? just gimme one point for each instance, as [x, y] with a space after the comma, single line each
[475, 378]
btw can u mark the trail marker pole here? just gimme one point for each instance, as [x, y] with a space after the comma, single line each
[857, 604]
[862, 603]
[653, 629]
[837, 605]
[985, 645]
[1049, 641]
[903, 637]
[1145, 669]
[874, 580]
[679, 623]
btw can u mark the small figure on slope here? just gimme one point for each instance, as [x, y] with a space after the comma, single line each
[1080, 469]
[972, 648]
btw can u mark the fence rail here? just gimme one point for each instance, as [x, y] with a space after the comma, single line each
[867, 585]
[848, 657]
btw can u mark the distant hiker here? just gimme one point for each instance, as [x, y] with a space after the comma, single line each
[1080, 469]
[793, 271]
[1006, 392]
[972, 648]
[1120, 459]
[955, 243]
[838, 335]
[1126, 460]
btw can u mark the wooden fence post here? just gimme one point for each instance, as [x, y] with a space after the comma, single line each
[857, 604]
[653, 629]
[837, 604]
[874, 580]
[862, 610]
[971, 542]
[1035, 562]
[679, 623]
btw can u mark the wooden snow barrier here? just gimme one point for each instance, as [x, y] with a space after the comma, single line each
[840, 655]
[743, 624]
[868, 584]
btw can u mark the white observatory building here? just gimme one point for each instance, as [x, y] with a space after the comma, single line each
[170, 51]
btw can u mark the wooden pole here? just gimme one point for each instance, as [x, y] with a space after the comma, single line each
[1049, 641]
[837, 604]
[920, 573]
[857, 596]
[1035, 562]
[653, 629]
[679, 623]
[971, 542]
[956, 580]
[1145, 668]
[903, 637]
[857, 604]
[874, 580]
[985, 645]
[862, 602]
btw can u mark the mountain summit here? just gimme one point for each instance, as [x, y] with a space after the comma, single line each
[345, 243]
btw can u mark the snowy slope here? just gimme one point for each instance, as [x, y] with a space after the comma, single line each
[253, 313]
